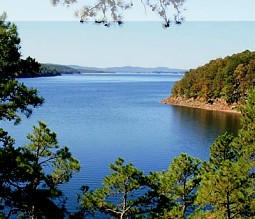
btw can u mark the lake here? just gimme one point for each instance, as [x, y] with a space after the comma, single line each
[105, 116]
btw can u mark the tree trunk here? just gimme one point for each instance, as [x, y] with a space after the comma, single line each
[228, 207]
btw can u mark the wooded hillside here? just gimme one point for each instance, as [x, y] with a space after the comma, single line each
[50, 70]
[226, 78]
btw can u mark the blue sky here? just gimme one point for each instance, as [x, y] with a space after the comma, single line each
[213, 29]
[196, 10]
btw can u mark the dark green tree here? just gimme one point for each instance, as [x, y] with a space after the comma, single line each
[222, 150]
[122, 193]
[15, 97]
[29, 183]
[177, 187]
[244, 144]
[227, 190]
[225, 185]
[29, 175]
[245, 141]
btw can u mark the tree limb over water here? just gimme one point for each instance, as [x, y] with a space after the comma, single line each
[107, 12]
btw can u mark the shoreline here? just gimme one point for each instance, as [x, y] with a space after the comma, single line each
[217, 105]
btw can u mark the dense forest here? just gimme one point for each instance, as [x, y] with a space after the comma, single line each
[31, 174]
[49, 70]
[226, 78]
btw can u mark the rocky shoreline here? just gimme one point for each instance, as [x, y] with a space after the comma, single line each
[216, 105]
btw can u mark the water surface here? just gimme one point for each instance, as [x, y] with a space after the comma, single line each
[105, 116]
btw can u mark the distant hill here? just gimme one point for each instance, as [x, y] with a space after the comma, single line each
[47, 70]
[56, 69]
[83, 69]
[227, 79]
[127, 69]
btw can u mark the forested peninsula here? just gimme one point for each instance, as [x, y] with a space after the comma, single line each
[46, 70]
[222, 84]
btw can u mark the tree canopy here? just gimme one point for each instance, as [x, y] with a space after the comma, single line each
[174, 191]
[106, 12]
[228, 78]
[225, 182]
[30, 174]
[122, 193]
[222, 187]
[15, 97]
[55, 70]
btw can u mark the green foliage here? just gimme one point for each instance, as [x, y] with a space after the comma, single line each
[29, 175]
[11, 64]
[29, 68]
[198, 214]
[54, 70]
[222, 150]
[245, 142]
[227, 189]
[228, 178]
[177, 187]
[121, 195]
[222, 188]
[35, 170]
[127, 193]
[228, 78]
[45, 149]
[225, 182]
[15, 97]
[9, 50]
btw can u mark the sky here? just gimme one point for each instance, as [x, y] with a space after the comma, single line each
[212, 29]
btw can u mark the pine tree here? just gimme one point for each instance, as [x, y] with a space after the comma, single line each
[121, 195]
[30, 176]
[15, 97]
[176, 189]
[225, 187]
[245, 141]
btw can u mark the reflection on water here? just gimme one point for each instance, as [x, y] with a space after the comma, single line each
[209, 119]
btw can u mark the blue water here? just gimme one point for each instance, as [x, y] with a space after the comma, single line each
[105, 116]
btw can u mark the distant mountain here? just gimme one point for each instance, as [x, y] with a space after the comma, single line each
[127, 69]
[48, 69]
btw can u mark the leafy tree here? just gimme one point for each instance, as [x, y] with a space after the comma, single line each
[121, 195]
[111, 11]
[177, 187]
[29, 183]
[228, 79]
